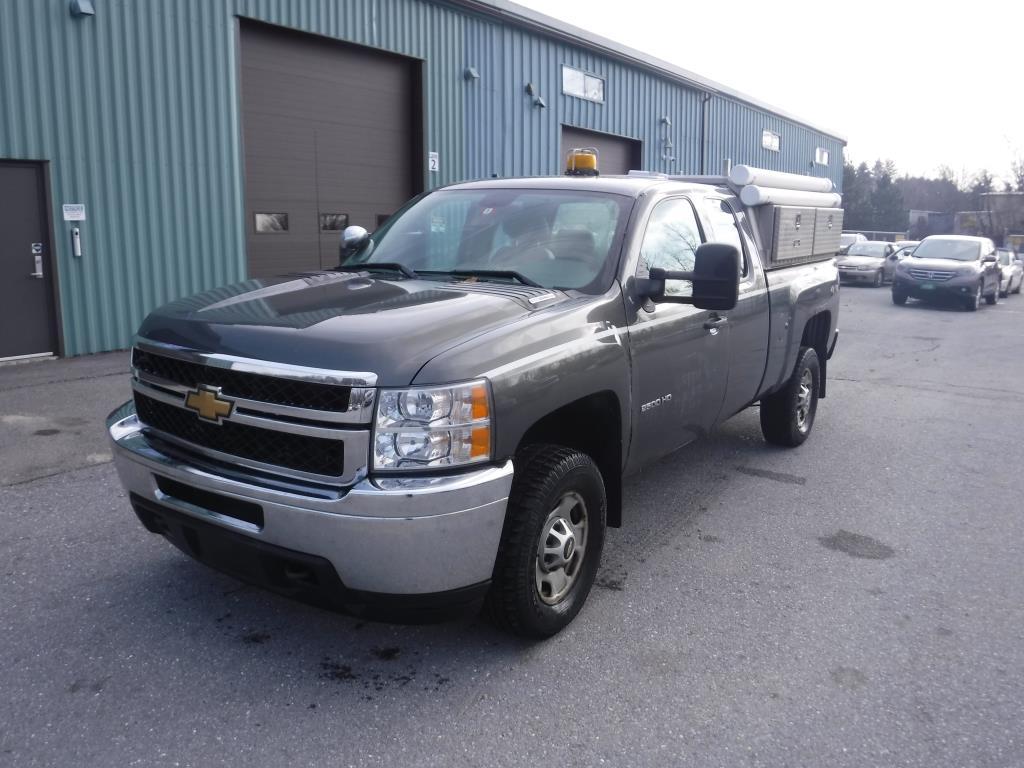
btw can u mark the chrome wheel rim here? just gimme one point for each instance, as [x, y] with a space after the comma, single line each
[803, 400]
[562, 548]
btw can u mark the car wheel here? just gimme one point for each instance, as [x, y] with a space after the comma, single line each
[975, 301]
[788, 415]
[899, 297]
[551, 543]
[1017, 289]
[993, 297]
[879, 279]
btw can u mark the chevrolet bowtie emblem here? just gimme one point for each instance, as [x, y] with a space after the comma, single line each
[207, 402]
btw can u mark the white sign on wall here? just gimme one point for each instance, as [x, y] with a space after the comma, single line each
[433, 162]
[74, 211]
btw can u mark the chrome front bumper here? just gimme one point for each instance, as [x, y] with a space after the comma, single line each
[395, 536]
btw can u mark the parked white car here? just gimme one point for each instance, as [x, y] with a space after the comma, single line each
[1011, 270]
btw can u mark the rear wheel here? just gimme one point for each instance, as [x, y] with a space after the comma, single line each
[788, 415]
[551, 544]
[898, 297]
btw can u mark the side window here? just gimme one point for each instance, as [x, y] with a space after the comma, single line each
[725, 229]
[670, 242]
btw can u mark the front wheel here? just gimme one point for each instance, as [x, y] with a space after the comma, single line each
[879, 279]
[975, 301]
[551, 544]
[899, 297]
[788, 415]
[993, 297]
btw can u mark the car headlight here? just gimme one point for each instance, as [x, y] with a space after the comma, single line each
[429, 427]
[965, 271]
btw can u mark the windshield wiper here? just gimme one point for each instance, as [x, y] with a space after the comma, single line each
[487, 274]
[392, 266]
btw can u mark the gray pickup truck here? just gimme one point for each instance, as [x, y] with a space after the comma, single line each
[447, 417]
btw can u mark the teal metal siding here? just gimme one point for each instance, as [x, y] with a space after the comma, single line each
[508, 135]
[735, 134]
[127, 107]
[136, 111]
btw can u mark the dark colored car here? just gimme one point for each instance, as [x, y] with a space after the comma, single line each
[956, 267]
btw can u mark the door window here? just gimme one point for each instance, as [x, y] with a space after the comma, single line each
[671, 242]
[725, 229]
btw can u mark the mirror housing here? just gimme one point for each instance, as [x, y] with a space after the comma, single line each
[715, 278]
[352, 240]
[989, 259]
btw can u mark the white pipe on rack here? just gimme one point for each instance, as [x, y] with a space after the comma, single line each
[745, 175]
[754, 195]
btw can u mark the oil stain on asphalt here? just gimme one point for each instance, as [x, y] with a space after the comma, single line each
[857, 545]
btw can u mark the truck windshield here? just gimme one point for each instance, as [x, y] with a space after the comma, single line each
[867, 249]
[563, 239]
[958, 250]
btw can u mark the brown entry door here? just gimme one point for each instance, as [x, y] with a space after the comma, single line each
[26, 288]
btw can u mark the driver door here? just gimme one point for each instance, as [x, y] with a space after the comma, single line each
[680, 354]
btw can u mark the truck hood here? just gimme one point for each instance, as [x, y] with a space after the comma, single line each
[344, 321]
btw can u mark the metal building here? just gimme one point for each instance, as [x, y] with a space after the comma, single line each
[151, 149]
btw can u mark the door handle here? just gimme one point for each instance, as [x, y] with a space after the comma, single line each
[714, 323]
[38, 274]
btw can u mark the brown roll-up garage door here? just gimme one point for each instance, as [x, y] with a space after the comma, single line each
[331, 134]
[616, 154]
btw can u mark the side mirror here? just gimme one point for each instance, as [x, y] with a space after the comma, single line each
[715, 278]
[353, 239]
[989, 259]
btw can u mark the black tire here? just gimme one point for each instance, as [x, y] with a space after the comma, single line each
[974, 302]
[1017, 289]
[786, 419]
[993, 297]
[1004, 294]
[899, 297]
[546, 476]
[879, 279]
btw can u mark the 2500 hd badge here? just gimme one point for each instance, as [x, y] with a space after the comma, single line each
[444, 420]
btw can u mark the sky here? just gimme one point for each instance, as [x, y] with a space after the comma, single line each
[921, 84]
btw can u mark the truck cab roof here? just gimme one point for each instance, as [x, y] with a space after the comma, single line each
[633, 185]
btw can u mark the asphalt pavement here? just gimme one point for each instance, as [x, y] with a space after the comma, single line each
[853, 602]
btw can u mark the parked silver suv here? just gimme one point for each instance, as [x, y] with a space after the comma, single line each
[957, 266]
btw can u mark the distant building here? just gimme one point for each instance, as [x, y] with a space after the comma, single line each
[920, 224]
[1001, 216]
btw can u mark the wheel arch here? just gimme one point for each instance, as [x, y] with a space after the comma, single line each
[592, 425]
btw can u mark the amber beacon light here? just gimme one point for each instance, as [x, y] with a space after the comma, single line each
[581, 162]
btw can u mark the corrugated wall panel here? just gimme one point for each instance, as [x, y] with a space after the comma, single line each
[136, 112]
[735, 134]
[127, 108]
[508, 135]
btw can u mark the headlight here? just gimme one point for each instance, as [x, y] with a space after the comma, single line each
[425, 427]
[966, 271]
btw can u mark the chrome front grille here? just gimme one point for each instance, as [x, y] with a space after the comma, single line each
[302, 423]
[935, 275]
